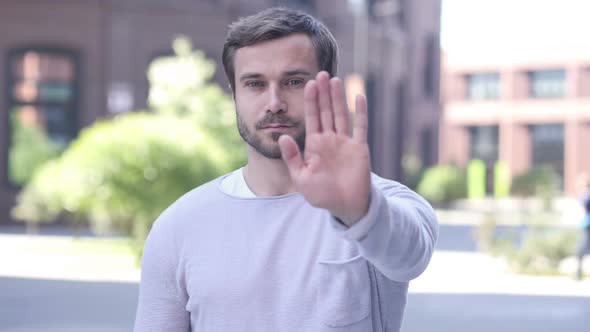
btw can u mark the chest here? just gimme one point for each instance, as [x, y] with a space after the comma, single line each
[295, 269]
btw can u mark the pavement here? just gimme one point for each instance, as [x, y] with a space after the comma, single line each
[462, 290]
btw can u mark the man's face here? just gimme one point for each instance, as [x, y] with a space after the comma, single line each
[269, 81]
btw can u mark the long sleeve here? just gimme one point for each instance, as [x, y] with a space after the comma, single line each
[162, 295]
[399, 232]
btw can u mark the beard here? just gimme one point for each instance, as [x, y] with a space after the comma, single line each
[256, 139]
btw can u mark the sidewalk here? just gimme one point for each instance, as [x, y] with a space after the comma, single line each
[452, 272]
[478, 273]
[47, 257]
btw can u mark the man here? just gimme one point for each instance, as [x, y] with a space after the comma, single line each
[304, 237]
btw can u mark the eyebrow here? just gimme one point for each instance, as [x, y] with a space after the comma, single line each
[294, 72]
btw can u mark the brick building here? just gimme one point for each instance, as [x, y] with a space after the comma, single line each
[66, 63]
[527, 108]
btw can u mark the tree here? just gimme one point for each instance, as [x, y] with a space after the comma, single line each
[121, 173]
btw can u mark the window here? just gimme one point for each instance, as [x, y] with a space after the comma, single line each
[426, 143]
[547, 83]
[41, 99]
[483, 86]
[548, 146]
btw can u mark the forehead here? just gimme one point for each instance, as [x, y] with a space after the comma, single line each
[276, 56]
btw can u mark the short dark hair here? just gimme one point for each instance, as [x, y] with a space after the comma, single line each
[274, 23]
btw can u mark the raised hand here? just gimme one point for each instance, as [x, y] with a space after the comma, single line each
[334, 170]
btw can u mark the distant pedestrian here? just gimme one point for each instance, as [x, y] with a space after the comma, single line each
[584, 248]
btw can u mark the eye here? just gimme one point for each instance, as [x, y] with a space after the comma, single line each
[295, 82]
[254, 84]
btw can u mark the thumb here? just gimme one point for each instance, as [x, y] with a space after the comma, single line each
[291, 154]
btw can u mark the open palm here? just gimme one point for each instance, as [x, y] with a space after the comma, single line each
[334, 171]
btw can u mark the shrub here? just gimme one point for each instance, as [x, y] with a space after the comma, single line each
[536, 181]
[30, 149]
[476, 179]
[121, 173]
[542, 182]
[540, 251]
[443, 184]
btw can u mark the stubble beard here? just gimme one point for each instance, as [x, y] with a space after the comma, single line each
[256, 140]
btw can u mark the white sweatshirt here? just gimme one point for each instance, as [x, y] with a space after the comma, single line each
[214, 261]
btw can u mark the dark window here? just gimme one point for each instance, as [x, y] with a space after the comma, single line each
[42, 99]
[430, 76]
[483, 86]
[426, 143]
[547, 83]
[548, 146]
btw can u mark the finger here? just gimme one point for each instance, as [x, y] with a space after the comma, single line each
[361, 120]
[310, 105]
[326, 113]
[341, 116]
[291, 155]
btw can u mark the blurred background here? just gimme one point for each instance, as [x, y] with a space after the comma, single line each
[112, 109]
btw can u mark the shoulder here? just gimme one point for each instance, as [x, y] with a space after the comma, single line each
[395, 190]
[188, 206]
[387, 185]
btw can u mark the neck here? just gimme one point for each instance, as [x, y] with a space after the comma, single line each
[267, 177]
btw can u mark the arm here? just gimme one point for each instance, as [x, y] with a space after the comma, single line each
[399, 232]
[162, 295]
[396, 229]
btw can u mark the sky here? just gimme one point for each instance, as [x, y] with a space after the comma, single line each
[489, 25]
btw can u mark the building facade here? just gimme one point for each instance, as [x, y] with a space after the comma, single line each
[526, 109]
[67, 63]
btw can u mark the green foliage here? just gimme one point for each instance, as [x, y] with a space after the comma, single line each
[442, 184]
[476, 179]
[535, 182]
[542, 182]
[501, 179]
[120, 174]
[180, 85]
[412, 167]
[488, 240]
[540, 252]
[30, 148]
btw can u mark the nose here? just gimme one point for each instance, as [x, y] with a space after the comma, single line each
[276, 104]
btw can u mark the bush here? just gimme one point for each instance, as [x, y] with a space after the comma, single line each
[542, 182]
[476, 179]
[443, 184]
[535, 182]
[120, 174]
[30, 149]
[540, 252]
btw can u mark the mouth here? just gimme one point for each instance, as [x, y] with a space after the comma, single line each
[277, 126]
